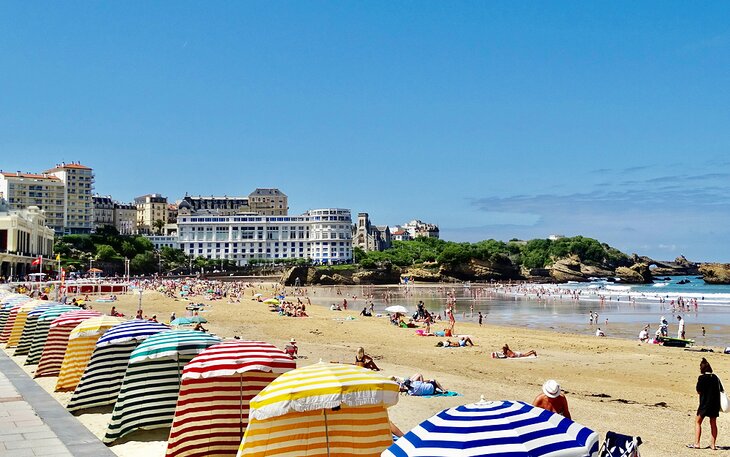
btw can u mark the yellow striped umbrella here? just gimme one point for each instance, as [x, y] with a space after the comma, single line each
[81, 344]
[321, 410]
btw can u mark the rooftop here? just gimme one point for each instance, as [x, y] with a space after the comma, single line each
[66, 166]
[18, 174]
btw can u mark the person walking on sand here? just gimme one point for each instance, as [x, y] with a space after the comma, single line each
[680, 330]
[480, 318]
[708, 388]
[552, 399]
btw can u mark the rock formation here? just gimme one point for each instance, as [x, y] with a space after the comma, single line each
[715, 273]
[638, 273]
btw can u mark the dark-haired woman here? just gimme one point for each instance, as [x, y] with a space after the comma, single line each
[708, 387]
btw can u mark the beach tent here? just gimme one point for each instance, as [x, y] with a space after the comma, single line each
[217, 385]
[57, 341]
[40, 333]
[81, 343]
[8, 303]
[321, 410]
[21, 318]
[13, 315]
[100, 383]
[198, 319]
[497, 428]
[151, 383]
[31, 321]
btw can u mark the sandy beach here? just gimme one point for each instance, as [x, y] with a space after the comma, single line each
[611, 384]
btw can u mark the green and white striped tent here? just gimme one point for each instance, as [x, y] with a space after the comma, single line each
[26, 336]
[40, 333]
[151, 385]
[99, 386]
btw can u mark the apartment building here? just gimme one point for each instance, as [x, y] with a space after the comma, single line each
[125, 218]
[45, 191]
[150, 209]
[268, 202]
[78, 182]
[103, 211]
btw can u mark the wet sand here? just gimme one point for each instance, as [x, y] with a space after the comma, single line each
[611, 384]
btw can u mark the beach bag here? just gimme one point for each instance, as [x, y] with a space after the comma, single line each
[724, 402]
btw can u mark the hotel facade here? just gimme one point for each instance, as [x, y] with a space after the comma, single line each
[322, 235]
[78, 182]
[45, 191]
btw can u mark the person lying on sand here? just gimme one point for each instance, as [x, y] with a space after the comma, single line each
[420, 388]
[509, 353]
[463, 341]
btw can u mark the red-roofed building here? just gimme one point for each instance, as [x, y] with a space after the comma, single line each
[46, 191]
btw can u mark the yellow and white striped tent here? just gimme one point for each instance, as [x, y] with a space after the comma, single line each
[81, 344]
[324, 409]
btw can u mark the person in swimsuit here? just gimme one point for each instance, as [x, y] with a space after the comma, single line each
[364, 360]
[509, 353]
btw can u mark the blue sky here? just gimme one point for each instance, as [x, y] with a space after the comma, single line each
[492, 119]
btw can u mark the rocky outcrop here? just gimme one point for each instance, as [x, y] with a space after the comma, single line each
[378, 276]
[639, 273]
[715, 273]
[568, 269]
[679, 267]
[422, 275]
[478, 270]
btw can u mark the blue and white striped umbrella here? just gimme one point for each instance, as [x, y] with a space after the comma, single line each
[497, 428]
[133, 330]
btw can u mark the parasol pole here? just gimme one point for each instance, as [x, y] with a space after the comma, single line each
[326, 432]
[240, 407]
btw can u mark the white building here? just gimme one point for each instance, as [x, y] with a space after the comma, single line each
[125, 218]
[322, 235]
[417, 228]
[47, 192]
[79, 183]
[164, 241]
[23, 238]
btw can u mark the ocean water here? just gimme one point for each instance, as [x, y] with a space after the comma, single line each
[566, 307]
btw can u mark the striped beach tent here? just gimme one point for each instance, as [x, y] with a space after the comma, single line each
[31, 320]
[13, 315]
[151, 383]
[320, 410]
[497, 428]
[99, 386]
[23, 311]
[40, 333]
[217, 385]
[8, 304]
[81, 343]
[57, 342]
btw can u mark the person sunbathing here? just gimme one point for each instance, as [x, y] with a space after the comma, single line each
[509, 353]
[364, 360]
[420, 388]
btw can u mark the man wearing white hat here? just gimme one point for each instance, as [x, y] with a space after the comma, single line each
[552, 399]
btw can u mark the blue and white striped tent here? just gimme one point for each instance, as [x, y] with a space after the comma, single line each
[497, 428]
[100, 383]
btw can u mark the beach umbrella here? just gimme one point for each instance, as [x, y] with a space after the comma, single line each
[258, 295]
[13, 315]
[16, 321]
[182, 321]
[40, 333]
[497, 428]
[26, 335]
[81, 343]
[198, 319]
[100, 383]
[151, 384]
[57, 341]
[396, 309]
[271, 301]
[217, 385]
[321, 410]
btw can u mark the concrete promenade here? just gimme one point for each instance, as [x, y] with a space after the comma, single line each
[32, 423]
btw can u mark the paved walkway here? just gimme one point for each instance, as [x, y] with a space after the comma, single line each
[32, 423]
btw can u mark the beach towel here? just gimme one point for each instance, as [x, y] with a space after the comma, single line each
[444, 394]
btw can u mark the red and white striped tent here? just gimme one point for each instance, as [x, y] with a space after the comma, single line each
[212, 410]
[13, 316]
[57, 342]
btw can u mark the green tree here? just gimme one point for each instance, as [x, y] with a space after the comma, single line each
[144, 263]
[105, 252]
[158, 225]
